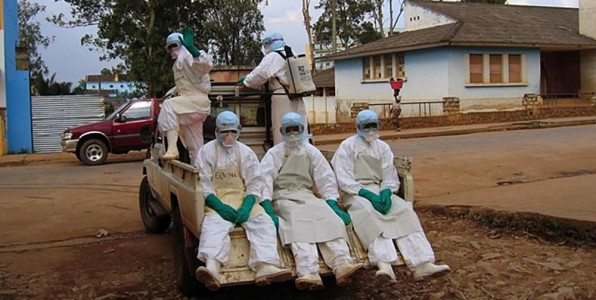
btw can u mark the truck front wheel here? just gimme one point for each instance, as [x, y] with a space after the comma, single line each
[93, 152]
[153, 223]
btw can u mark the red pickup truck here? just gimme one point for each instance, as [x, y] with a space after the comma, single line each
[130, 127]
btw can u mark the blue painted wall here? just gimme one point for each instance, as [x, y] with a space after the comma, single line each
[18, 98]
[435, 73]
[119, 86]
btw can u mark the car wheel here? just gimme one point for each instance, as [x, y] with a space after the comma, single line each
[93, 152]
[185, 259]
[153, 223]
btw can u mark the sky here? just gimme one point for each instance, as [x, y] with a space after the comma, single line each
[71, 61]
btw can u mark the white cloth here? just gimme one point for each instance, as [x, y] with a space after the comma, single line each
[189, 126]
[344, 160]
[214, 242]
[187, 111]
[212, 155]
[272, 68]
[231, 174]
[321, 172]
[335, 253]
[374, 229]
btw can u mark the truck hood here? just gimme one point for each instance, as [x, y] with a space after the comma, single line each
[101, 126]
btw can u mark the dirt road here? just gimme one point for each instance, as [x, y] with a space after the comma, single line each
[50, 216]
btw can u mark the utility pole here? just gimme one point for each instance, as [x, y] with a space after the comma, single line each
[333, 27]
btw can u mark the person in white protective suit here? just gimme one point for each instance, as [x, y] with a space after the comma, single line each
[186, 112]
[272, 69]
[232, 181]
[364, 168]
[305, 221]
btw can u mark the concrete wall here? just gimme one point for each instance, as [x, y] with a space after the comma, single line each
[588, 71]
[18, 100]
[417, 17]
[432, 74]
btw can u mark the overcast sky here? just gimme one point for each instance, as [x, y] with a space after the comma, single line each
[71, 61]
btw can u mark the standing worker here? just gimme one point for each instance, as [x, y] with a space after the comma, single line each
[365, 172]
[272, 68]
[396, 106]
[232, 181]
[186, 112]
[306, 221]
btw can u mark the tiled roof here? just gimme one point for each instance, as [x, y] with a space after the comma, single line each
[480, 24]
[324, 78]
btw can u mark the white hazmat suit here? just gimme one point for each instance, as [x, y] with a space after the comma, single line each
[273, 69]
[230, 171]
[186, 112]
[363, 162]
[291, 168]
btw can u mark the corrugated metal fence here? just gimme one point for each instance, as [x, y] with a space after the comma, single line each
[52, 114]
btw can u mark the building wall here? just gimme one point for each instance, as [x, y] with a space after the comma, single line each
[18, 100]
[432, 74]
[588, 71]
[417, 17]
[119, 86]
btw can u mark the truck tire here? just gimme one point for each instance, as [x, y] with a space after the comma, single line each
[93, 152]
[185, 259]
[153, 223]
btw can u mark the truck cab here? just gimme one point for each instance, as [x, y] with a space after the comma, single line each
[130, 127]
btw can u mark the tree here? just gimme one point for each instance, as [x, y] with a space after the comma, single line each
[353, 27]
[135, 31]
[233, 31]
[307, 26]
[30, 37]
[81, 88]
[49, 87]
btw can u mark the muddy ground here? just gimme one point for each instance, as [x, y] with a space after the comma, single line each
[487, 263]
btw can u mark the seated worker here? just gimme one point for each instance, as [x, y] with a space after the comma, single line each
[305, 221]
[232, 181]
[364, 168]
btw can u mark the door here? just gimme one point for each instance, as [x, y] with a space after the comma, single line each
[129, 125]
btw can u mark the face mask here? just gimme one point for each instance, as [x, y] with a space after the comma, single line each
[228, 139]
[370, 134]
[265, 49]
[174, 53]
[293, 139]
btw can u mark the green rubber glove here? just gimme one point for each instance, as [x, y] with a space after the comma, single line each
[225, 211]
[344, 216]
[188, 41]
[266, 204]
[241, 79]
[244, 209]
[374, 199]
[386, 199]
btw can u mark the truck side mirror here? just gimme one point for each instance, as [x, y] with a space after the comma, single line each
[121, 118]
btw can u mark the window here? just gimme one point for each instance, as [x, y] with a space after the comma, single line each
[476, 68]
[496, 68]
[383, 67]
[138, 111]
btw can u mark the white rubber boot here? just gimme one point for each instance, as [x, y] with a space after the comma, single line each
[209, 275]
[385, 270]
[172, 152]
[427, 269]
[344, 271]
[267, 274]
[311, 281]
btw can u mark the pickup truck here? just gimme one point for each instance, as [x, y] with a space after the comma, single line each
[130, 127]
[171, 198]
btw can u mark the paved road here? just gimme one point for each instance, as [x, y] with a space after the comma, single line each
[547, 171]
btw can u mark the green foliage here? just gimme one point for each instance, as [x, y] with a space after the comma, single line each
[81, 88]
[48, 87]
[233, 31]
[352, 22]
[135, 31]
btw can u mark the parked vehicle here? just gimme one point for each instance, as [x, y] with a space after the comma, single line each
[130, 127]
[171, 198]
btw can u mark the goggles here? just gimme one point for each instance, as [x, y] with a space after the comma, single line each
[292, 129]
